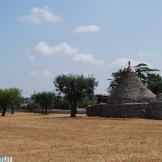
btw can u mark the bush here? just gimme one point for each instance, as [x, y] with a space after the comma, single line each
[32, 106]
[85, 104]
[61, 103]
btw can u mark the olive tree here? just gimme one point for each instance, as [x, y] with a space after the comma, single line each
[9, 98]
[15, 96]
[74, 88]
[44, 100]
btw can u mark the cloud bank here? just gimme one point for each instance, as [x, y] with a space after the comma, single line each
[87, 29]
[43, 48]
[39, 15]
[123, 63]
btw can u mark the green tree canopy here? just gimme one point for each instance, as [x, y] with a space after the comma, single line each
[74, 88]
[15, 95]
[44, 100]
[9, 98]
[146, 74]
[116, 76]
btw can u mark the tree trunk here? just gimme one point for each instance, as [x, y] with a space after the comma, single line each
[42, 109]
[4, 111]
[46, 111]
[73, 110]
[12, 111]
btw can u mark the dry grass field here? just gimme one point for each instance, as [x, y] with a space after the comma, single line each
[57, 138]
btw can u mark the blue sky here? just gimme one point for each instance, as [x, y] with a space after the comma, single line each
[40, 39]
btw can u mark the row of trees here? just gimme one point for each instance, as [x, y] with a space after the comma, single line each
[71, 89]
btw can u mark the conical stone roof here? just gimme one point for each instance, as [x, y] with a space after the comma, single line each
[130, 89]
[159, 98]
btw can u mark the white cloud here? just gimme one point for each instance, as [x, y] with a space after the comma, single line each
[88, 28]
[42, 73]
[142, 54]
[67, 49]
[40, 15]
[123, 63]
[87, 58]
[44, 48]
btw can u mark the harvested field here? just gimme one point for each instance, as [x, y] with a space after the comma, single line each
[30, 137]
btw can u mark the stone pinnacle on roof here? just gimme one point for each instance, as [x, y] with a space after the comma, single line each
[129, 67]
[129, 63]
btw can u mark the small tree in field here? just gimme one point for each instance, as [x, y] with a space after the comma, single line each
[9, 98]
[74, 88]
[15, 96]
[44, 100]
[4, 100]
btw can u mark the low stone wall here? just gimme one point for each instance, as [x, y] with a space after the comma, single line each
[144, 110]
[154, 111]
